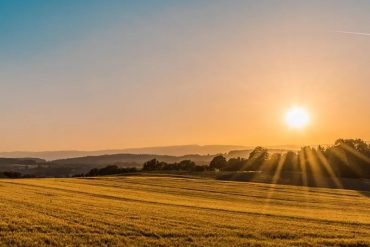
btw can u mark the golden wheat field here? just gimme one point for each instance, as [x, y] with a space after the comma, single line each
[175, 211]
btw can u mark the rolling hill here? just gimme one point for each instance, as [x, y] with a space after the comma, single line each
[166, 150]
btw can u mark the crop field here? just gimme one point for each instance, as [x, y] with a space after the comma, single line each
[178, 211]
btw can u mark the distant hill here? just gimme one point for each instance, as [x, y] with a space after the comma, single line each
[167, 150]
[8, 164]
[77, 165]
[139, 159]
[73, 166]
[244, 153]
[25, 161]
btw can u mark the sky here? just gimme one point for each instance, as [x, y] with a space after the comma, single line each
[90, 75]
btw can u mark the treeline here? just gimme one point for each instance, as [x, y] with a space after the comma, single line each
[11, 174]
[346, 158]
[108, 170]
[151, 165]
[185, 165]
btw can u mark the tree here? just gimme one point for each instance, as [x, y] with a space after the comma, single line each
[108, 170]
[12, 174]
[151, 165]
[259, 153]
[290, 161]
[350, 158]
[218, 162]
[186, 165]
[235, 164]
[256, 158]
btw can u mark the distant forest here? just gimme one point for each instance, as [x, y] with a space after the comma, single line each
[348, 158]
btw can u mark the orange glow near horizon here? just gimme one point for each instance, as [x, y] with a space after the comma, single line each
[178, 75]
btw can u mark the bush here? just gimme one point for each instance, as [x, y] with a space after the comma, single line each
[108, 170]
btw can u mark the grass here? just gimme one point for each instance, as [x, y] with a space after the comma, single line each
[162, 211]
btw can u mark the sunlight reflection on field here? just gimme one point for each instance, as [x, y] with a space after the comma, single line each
[144, 210]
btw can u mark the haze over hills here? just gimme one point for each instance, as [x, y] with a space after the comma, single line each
[179, 150]
[165, 150]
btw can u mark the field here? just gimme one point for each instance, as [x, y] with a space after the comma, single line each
[167, 210]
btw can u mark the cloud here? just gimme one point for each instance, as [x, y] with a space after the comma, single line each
[354, 33]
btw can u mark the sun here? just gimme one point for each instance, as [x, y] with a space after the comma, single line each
[297, 117]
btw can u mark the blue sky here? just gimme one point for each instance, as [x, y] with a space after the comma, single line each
[29, 27]
[114, 74]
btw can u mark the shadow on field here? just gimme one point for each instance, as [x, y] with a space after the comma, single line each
[361, 185]
[365, 193]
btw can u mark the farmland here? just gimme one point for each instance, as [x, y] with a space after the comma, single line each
[169, 210]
